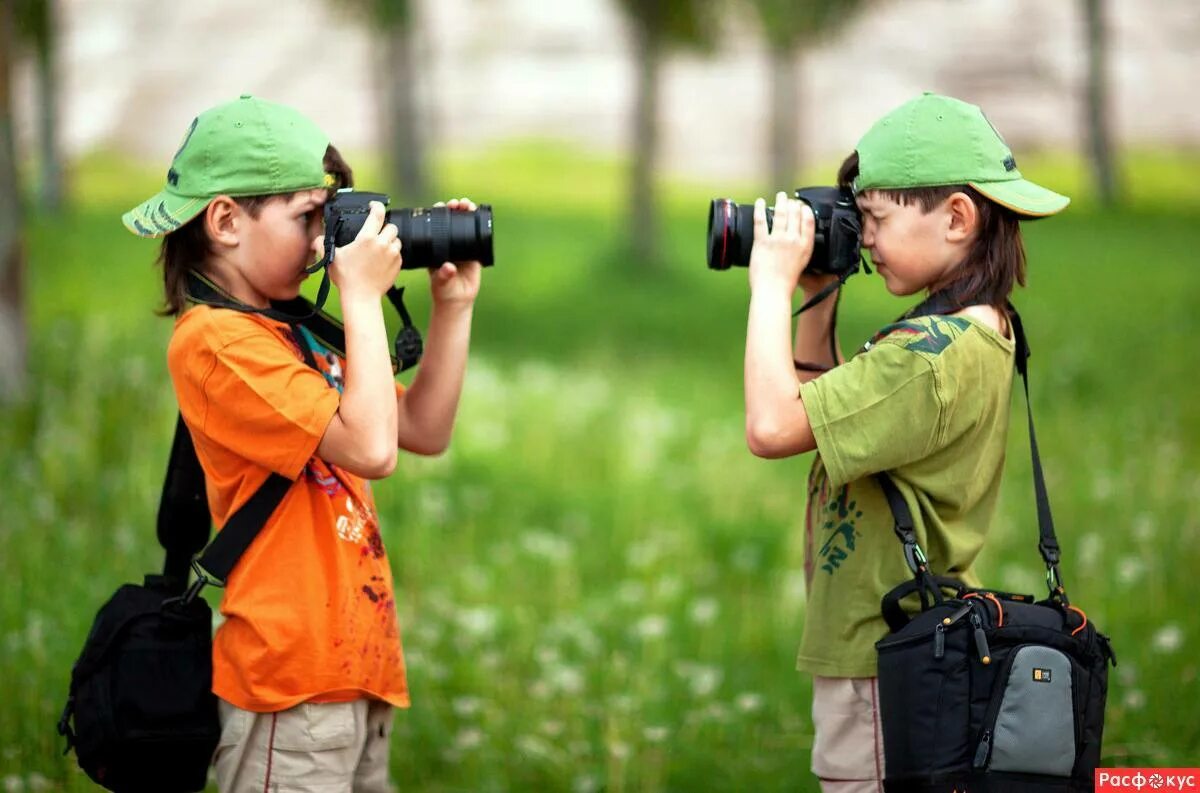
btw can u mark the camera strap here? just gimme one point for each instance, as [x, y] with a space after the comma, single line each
[407, 346]
[1048, 547]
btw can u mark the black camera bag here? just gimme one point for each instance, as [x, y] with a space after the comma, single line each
[989, 691]
[145, 717]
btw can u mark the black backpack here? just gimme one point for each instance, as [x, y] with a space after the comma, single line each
[989, 691]
[145, 717]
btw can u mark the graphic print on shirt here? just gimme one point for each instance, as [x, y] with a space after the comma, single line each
[930, 335]
[837, 517]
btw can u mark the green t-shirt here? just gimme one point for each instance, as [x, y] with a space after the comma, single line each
[926, 400]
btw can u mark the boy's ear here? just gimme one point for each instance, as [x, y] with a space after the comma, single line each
[223, 221]
[963, 216]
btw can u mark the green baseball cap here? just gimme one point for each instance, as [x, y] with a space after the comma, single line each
[246, 147]
[937, 140]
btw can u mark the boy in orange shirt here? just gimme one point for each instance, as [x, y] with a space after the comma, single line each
[307, 663]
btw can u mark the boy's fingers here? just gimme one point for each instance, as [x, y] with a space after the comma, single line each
[374, 222]
[760, 218]
[795, 215]
[807, 221]
[781, 225]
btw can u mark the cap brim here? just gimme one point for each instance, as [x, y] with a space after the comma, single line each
[162, 214]
[1023, 197]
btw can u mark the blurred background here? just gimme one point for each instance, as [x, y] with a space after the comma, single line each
[601, 589]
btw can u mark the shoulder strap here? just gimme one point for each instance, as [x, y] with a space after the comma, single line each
[1047, 541]
[326, 328]
[184, 522]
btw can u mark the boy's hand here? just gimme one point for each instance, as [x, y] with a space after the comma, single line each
[780, 255]
[456, 284]
[369, 265]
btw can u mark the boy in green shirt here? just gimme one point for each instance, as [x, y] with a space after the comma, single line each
[926, 400]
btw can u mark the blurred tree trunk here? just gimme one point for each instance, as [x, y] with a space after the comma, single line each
[406, 153]
[1100, 152]
[656, 25]
[50, 185]
[13, 372]
[643, 200]
[789, 26]
[784, 101]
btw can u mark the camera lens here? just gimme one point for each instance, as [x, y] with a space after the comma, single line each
[731, 233]
[429, 236]
[435, 235]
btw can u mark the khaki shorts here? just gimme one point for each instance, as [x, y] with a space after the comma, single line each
[336, 747]
[847, 753]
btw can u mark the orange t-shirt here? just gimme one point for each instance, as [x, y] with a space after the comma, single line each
[309, 608]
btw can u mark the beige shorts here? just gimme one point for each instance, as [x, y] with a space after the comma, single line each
[847, 753]
[336, 747]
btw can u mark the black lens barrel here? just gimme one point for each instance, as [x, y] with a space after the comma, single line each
[428, 236]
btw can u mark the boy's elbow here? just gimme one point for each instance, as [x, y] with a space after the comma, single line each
[379, 463]
[426, 447]
[765, 439]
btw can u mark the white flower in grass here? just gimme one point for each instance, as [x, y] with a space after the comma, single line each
[618, 749]
[631, 592]
[585, 784]
[567, 679]
[749, 702]
[702, 679]
[490, 660]
[655, 734]
[705, 610]
[622, 703]
[13, 784]
[551, 728]
[1144, 527]
[717, 711]
[669, 587]
[1135, 699]
[540, 690]
[1091, 545]
[547, 655]
[533, 746]
[1130, 570]
[641, 555]
[579, 748]
[1168, 639]
[478, 622]
[544, 545]
[652, 626]
[466, 706]
[467, 739]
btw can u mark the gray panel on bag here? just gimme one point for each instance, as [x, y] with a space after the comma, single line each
[1035, 728]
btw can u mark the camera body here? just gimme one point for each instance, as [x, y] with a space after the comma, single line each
[837, 241]
[428, 236]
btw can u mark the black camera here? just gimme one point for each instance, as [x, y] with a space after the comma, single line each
[428, 236]
[836, 245]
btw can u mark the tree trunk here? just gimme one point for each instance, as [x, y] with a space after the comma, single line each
[13, 374]
[1098, 123]
[407, 151]
[50, 188]
[784, 134]
[643, 202]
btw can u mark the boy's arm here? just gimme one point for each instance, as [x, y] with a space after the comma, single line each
[359, 436]
[777, 424]
[427, 409]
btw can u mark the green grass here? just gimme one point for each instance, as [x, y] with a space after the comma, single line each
[600, 587]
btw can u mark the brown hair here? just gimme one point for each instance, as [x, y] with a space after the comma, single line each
[188, 247]
[996, 261]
